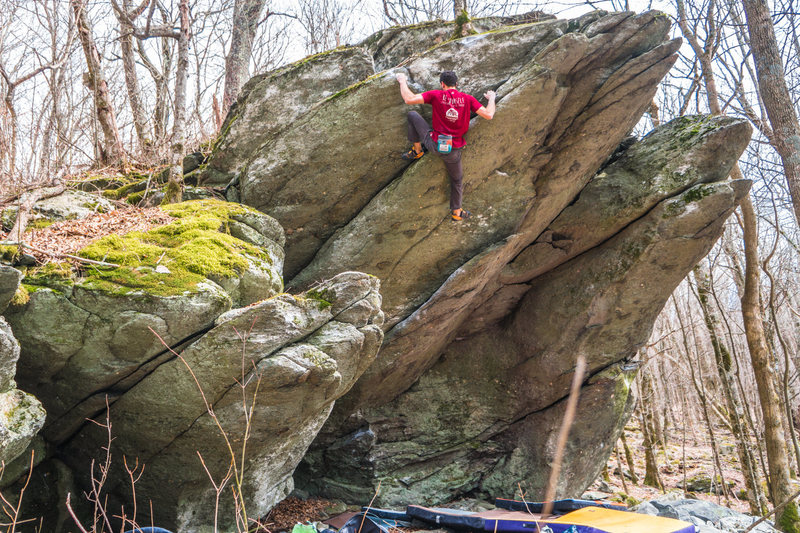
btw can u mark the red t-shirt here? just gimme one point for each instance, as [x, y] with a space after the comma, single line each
[451, 113]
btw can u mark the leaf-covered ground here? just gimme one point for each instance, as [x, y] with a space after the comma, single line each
[687, 456]
[69, 236]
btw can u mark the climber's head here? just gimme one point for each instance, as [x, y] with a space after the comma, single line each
[448, 79]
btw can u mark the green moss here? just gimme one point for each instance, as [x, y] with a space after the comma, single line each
[353, 87]
[316, 358]
[226, 128]
[9, 253]
[697, 193]
[630, 501]
[689, 127]
[194, 246]
[31, 288]
[98, 183]
[173, 193]
[97, 207]
[40, 223]
[56, 276]
[21, 297]
[126, 189]
[789, 520]
[135, 198]
[322, 297]
[18, 416]
[462, 19]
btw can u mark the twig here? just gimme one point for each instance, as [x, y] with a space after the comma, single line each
[56, 254]
[218, 488]
[569, 416]
[775, 510]
[369, 507]
[525, 501]
[75, 518]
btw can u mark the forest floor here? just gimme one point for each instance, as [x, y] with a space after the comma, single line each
[683, 461]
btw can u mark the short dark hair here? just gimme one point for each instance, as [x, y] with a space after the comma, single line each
[449, 78]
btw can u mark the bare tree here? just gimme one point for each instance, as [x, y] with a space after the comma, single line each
[246, 17]
[12, 82]
[774, 94]
[326, 24]
[174, 188]
[110, 150]
[125, 16]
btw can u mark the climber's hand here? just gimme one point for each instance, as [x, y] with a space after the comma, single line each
[401, 78]
[490, 95]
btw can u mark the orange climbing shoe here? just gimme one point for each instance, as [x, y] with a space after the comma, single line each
[412, 154]
[460, 214]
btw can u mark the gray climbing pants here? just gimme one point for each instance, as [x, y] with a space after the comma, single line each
[420, 132]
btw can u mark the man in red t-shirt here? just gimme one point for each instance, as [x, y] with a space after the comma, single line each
[451, 114]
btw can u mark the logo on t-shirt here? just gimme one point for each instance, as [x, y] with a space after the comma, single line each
[451, 114]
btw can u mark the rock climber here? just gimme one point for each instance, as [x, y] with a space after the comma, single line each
[451, 114]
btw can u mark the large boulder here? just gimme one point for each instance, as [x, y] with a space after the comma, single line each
[574, 248]
[262, 379]
[91, 336]
[183, 342]
[21, 414]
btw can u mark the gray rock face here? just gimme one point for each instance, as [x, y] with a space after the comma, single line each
[9, 281]
[256, 118]
[80, 345]
[21, 414]
[271, 371]
[66, 206]
[567, 253]
[708, 517]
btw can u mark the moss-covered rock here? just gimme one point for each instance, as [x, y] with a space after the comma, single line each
[175, 258]
[70, 205]
[288, 356]
[9, 283]
[85, 331]
[21, 414]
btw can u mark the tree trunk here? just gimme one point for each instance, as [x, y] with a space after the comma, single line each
[629, 459]
[651, 477]
[619, 465]
[246, 14]
[724, 363]
[774, 94]
[111, 148]
[126, 44]
[161, 111]
[763, 363]
[174, 189]
[461, 18]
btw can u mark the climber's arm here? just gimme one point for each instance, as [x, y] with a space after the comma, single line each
[487, 111]
[408, 95]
